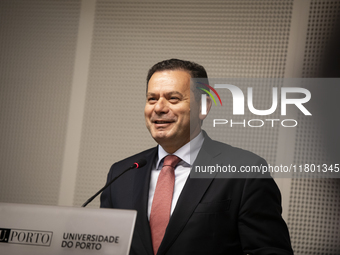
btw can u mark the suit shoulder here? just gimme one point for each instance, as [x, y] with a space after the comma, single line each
[147, 155]
[236, 153]
[237, 158]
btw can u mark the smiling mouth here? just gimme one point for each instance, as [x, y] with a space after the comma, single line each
[162, 121]
[160, 124]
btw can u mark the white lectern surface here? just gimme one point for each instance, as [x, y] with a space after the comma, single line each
[39, 229]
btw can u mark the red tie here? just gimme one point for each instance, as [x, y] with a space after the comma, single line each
[161, 204]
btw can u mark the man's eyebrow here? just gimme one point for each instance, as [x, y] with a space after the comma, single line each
[168, 93]
[150, 94]
[174, 93]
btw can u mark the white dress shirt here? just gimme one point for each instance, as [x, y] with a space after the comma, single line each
[187, 153]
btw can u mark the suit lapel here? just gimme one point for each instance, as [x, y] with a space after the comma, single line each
[190, 197]
[141, 191]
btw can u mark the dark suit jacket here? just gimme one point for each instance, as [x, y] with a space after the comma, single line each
[212, 216]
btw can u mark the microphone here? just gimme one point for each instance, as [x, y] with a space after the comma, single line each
[138, 164]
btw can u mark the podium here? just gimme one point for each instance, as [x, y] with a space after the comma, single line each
[46, 230]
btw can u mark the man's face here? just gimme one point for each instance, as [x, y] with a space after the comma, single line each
[167, 109]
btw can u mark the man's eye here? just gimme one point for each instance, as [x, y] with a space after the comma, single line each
[151, 99]
[174, 99]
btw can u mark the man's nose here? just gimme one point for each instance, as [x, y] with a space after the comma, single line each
[162, 106]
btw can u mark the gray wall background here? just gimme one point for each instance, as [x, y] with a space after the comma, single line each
[72, 80]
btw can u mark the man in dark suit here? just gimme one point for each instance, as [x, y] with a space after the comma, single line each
[182, 215]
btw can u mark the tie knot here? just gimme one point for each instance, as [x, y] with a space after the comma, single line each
[171, 160]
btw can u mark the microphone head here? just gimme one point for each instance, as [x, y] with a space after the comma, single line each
[140, 163]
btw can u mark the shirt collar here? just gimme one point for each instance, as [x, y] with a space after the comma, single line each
[187, 152]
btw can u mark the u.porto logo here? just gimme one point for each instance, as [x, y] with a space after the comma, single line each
[4, 235]
[26, 237]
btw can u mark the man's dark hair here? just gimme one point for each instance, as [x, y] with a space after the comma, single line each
[195, 70]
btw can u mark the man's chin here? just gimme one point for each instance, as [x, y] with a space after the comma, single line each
[160, 137]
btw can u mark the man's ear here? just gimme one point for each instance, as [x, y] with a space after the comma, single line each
[209, 102]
